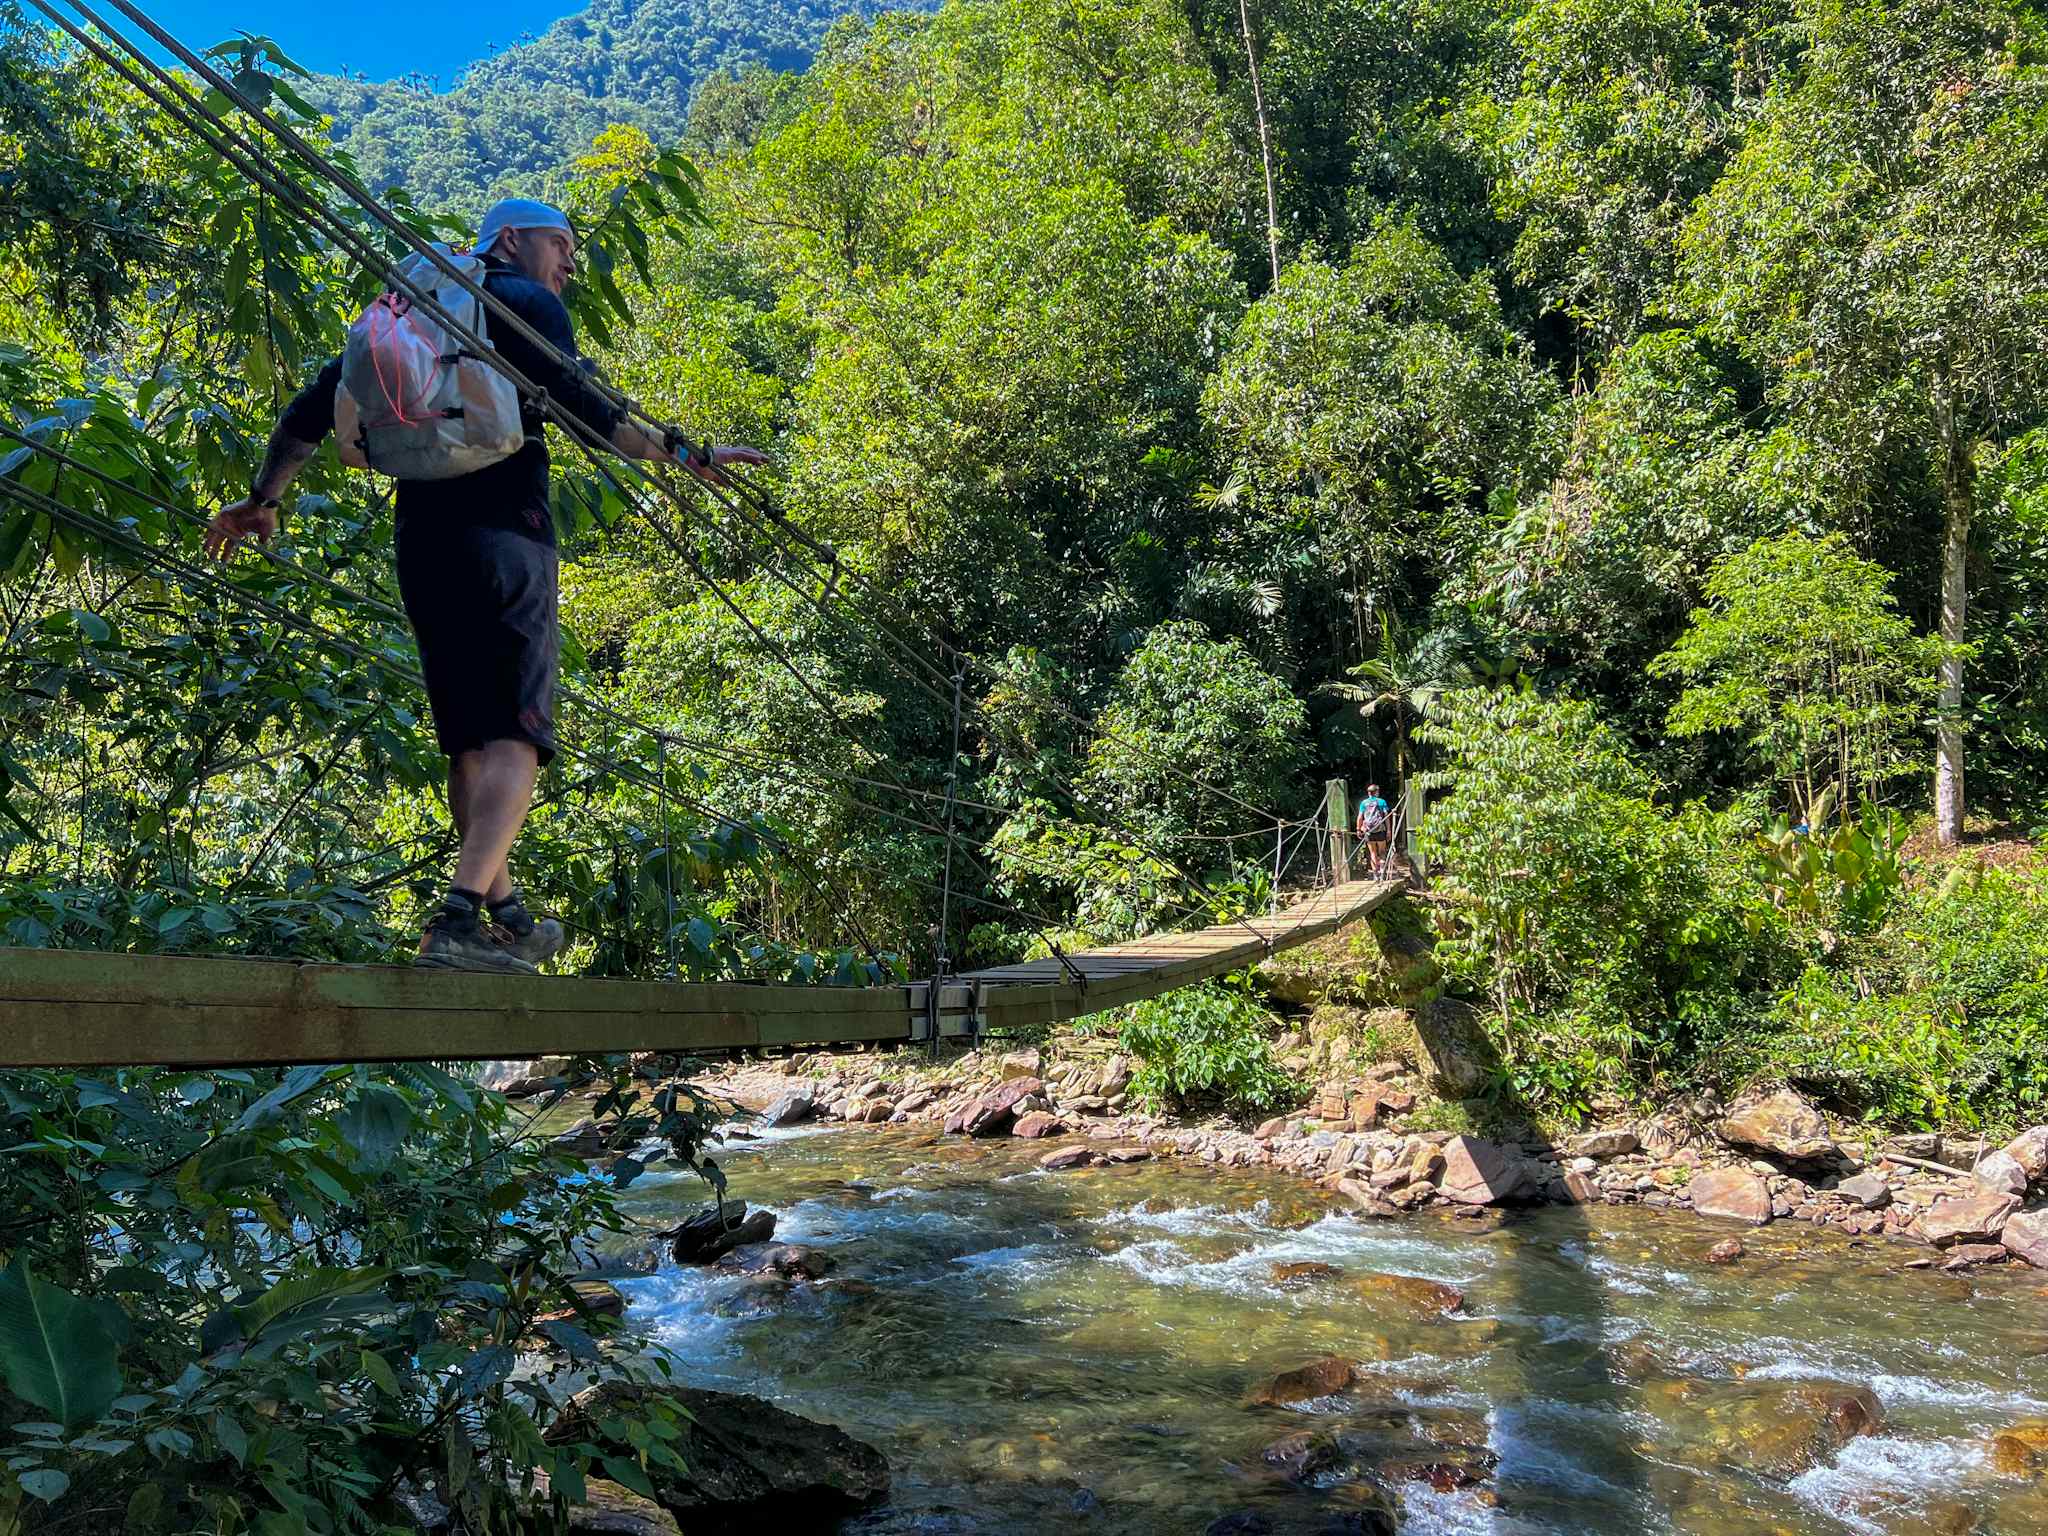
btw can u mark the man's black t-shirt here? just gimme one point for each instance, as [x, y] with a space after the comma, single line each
[513, 493]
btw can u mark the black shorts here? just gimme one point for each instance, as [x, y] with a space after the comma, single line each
[482, 602]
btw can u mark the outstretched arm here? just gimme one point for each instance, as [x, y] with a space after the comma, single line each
[635, 442]
[293, 441]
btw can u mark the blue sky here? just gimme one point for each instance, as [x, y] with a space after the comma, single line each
[382, 38]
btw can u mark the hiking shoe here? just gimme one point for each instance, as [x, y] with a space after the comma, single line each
[464, 944]
[541, 942]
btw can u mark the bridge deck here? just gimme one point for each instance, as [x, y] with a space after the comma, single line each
[61, 1008]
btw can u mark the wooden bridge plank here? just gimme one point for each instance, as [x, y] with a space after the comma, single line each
[63, 1008]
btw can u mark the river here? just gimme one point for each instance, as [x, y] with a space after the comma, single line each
[1040, 1350]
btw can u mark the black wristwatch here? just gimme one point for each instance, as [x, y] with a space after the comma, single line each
[256, 498]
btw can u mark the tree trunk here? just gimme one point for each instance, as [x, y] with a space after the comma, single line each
[1958, 493]
[1251, 58]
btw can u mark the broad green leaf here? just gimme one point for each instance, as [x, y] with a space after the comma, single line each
[375, 1124]
[45, 1483]
[56, 1350]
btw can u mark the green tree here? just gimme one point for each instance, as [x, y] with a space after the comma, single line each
[1618, 120]
[1880, 247]
[1802, 649]
[1188, 707]
[1372, 408]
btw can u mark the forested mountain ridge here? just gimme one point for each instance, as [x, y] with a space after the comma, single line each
[516, 117]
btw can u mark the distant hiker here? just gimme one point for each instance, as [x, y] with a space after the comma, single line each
[1375, 828]
[477, 566]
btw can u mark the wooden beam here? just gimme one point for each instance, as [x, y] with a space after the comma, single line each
[66, 1008]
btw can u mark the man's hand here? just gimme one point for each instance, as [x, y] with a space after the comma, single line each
[721, 455]
[244, 519]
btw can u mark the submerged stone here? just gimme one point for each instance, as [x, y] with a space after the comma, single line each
[1319, 1378]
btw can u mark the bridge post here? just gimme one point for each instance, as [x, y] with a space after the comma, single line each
[1412, 793]
[1337, 822]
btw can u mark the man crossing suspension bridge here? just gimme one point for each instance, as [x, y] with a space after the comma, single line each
[477, 563]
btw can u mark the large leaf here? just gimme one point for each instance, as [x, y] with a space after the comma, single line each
[375, 1124]
[56, 1351]
[295, 1307]
[297, 1082]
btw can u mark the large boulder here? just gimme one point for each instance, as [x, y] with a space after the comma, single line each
[2001, 1171]
[2030, 1150]
[749, 1464]
[792, 1108]
[1603, 1144]
[1781, 1125]
[1978, 1218]
[1481, 1172]
[1734, 1193]
[717, 1230]
[2025, 1236]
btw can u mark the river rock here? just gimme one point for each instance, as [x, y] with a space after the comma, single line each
[1603, 1144]
[716, 1231]
[1116, 1077]
[1295, 1276]
[1970, 1219]
[2030, 1150]
[991, 1114]
[1734, 1193]
[1319, 1378]
[1579, 1188]
[1128, 1155]
[1868, 1190]
[608, 1509]
[1018, 1064]
[1303, 1454]
[1480, 1172]
[2021, 1450]
[1036, 1124]
[1781, 1124]
[2025, 1236]
[1777, 1429]
[1366, 1198]
[2002, 1172]
[1277, 1126]
[1726, 1251]
[1425, 1296]
[1077, 1156]
[583, 1139]
[748, 1462]
[795, 1261]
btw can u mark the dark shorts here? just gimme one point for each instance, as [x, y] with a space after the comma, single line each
[482, 605]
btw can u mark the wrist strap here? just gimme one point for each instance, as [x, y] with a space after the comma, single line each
[259, 499]
[684, 449]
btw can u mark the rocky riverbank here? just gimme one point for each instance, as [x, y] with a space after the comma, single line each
[1363, 1138]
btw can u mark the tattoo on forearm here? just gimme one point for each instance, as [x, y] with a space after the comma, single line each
[284, 458]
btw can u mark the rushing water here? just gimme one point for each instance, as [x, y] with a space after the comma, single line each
[1035, 1350]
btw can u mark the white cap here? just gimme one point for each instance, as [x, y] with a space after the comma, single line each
[519, 213]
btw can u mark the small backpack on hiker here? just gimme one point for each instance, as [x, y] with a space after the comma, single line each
[414, 403]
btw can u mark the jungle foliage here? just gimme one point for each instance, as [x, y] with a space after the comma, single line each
[1643, 438]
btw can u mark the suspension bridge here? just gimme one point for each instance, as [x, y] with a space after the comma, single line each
[61, 1008]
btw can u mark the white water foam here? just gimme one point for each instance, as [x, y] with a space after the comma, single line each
[1913, 1471]
[1331, 1239]
[1893, 1390]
